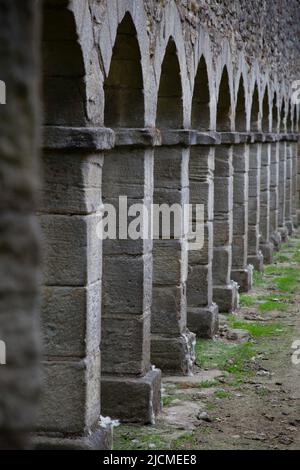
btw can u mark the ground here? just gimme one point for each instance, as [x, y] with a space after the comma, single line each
[245, 392]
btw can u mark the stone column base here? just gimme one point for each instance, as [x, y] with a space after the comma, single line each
[204, 321]
[132, 399]
[276, 240]
[267, 250]
[289, 227]
[100, 439]
[174, 355]
[226, 297]
[284, 234]
[243, 277]
[257, 261]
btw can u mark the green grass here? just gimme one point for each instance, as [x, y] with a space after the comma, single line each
[233, 358]
[222, 394]
[287, 284]
[281, 258]
[272, 305]
[256, 329]
[266, 302]
[247, 300]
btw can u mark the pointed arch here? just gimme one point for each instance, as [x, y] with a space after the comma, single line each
[266, 111]
[124, 87]
[224, 104]
[282, 118]
[63, 69]
[295, 127]
[289, 118]
[169, 101]
[254, 124]
[240, 114]
[275, 122]
[201, 99]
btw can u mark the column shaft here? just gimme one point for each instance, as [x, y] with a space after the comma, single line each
[225, 291]
[255, 256]
[130, 388]
[71, 307]
[265, 244]
[202, 312]
[241, 272]
[172, 345]
[274, 196]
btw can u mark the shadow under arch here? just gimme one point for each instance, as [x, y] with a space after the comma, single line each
[63, 69]
[266, 111]
[201, 99]
[275, 110]
[224, 104]
[124, 87]
[240, 116]
[169, 100]
[254, 119]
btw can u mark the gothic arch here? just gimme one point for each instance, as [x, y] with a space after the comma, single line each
[124, 88]
[224, 103]
[169, 100]
[201, 98]
[63, 68]
[254, 119]
[266, 111]
[240, 114]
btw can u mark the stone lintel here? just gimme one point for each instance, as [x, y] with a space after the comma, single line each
[83, 138]
[149, 137]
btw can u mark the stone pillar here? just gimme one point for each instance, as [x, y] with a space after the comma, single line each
[71, 305]
[255, 256]
[202, 312]
[130, 385]
[289, 188]
[241, 272]
[19, 237]
[172, 344]
[225, 291]
[295, 173]
[266, 245]
[282, 191]
[274, 196]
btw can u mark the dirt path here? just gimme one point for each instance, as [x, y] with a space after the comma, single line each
[245, 394]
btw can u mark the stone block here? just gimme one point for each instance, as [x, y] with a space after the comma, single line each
[71, 250]
[199, 286]
[70, 319]
[127, 284]
[203, 321]
[132, 399]
[125, 344]
[174, 355]
[71, 396]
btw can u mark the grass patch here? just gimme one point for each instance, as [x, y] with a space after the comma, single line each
[233, 358]
[256, 329]
[282, 258]
[273, 305]
[247, 300]
[128, 437]
[287, 284]
[222, 394]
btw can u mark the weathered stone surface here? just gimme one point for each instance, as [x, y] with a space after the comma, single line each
[132, 399]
